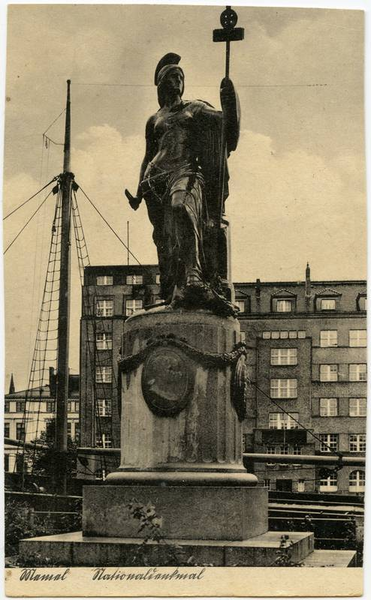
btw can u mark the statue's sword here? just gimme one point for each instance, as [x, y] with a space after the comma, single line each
[229, 99]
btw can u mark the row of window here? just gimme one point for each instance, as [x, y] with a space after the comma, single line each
[283, 335]
[284, 449]
[327, 483]
[329, 407]
[357, 338]
[330, 442]
[104, 307]
[72, 406]
[288, 388]
[134, 279]
[328, 337]
[288, 305]
[357, 372]
[357, 482]
[20, 431]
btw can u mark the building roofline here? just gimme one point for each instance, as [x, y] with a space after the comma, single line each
[323, 282]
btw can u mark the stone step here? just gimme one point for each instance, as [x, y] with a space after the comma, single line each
[72, 549]
[331, 558]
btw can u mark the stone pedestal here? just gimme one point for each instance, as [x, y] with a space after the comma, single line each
[181, 444]
[178, 419]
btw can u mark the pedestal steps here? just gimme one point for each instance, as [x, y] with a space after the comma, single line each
[72, 549]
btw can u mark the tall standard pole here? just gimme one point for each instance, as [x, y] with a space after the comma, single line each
[64, 308]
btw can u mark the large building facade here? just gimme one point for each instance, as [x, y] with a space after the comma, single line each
[307, 361]
[307, 366]
[29, 412]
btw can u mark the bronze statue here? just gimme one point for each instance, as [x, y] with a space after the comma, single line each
[184, 181]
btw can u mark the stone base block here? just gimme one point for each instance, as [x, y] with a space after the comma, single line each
[187, 512]
[72, 549]
[331, 558]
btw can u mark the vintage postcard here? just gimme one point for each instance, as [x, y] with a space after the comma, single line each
[184, 225]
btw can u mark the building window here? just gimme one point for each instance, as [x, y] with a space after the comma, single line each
[280, 420]
[284, 356]
[362, 303]
[20, 431]
[284, 388]
[100, 474]
[328, 373]
[105, 280]
[103, 341]
[50, 406]
[104, 407]
[357, 481]
[6, 463]
[328, 407]
[329, 442]
[267, 484]
[132, 306]
[104, 441]
[283, 305]
[327, 304]
[301, 485]
[134, 279]
[241, 305]
[77, 431]
[104, 308]
[357, 442]
[69, 429]
[358, 338]
[7, 407]
[103, 375]
[328, 483]
[328, 338]
[20, 406]
[357, 407]
[358, 372]
[7, 430]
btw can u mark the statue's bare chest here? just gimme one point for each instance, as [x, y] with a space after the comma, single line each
[180, 120]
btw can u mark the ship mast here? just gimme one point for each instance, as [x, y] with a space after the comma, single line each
[66, 182]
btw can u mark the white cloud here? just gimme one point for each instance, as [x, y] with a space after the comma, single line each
[290, 207]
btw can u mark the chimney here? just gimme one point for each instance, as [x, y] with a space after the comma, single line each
[307, 288]
[257, 295]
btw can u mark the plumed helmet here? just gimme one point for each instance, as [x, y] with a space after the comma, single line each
[167, 60]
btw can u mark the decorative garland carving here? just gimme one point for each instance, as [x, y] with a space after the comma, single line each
[209, 359]
[238, 387]
[236, 358]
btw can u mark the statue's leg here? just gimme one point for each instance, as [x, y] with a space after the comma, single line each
[156, 216]
[186, 205]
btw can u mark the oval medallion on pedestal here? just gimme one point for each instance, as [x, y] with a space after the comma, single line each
[167, 381]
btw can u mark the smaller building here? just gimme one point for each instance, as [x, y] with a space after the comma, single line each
[29, 412]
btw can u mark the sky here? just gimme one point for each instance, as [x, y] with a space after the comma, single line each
[297, 179]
